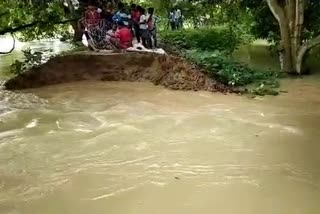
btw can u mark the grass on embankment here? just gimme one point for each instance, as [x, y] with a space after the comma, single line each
[211, 49]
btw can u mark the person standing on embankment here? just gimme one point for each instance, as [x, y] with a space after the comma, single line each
[152, 27]
[145, 34]
[135, 16]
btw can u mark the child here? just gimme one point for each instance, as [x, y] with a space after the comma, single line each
[145, 34]
[92, 15]
[122, 38]
[152, 27]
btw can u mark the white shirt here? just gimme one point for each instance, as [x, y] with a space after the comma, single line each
[178, 14]
[143, 22]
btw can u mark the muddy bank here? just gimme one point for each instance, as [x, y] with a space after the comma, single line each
[168, 71]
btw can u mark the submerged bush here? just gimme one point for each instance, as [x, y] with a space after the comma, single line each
[234, 73]
[32, 59]
[211, 49]
[210, 39]
[226, 70]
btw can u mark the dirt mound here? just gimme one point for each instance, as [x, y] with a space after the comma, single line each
[169, 71]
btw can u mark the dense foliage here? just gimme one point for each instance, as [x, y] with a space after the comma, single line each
[210, 49]
[230, 72]
[33, 19]
[206, 39]
[266, 26]
[227, 70]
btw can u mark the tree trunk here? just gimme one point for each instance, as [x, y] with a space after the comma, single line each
[288, 63]
[299, 22]
[77, 35]
[282, 17]
[303, 51]
[290, 16]
[71, 7]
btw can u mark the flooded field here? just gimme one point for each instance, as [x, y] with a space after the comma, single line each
[120, 148]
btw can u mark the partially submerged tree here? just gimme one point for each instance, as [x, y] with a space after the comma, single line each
[36, 19]
[295, 27]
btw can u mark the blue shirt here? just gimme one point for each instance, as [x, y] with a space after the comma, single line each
[121, 16]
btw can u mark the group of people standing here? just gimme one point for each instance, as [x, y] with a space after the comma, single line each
[176, 19]
[122, 24]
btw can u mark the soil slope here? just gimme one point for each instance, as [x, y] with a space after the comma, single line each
[168, 71]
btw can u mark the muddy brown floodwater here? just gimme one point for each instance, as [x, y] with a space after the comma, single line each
[134, 148]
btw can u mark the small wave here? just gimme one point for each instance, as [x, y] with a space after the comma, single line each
[282, 128]
[4, 111]
[2, 84]
[10, 99]
[123, 190]
[10, 133]
[33, 123]
[83, 130]
[158, 183]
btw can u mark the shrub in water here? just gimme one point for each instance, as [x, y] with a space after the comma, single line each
[221, 39]
[234, 73]
[211, 49]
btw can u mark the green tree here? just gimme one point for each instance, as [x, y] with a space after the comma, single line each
[36, 19]
[293, 24]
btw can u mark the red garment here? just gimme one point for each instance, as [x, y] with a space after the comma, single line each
[135, 15]
[150, 23]
[125, 37]
[92, 17]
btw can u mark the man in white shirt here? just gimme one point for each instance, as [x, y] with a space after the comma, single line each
[143, 24]
[178, 18]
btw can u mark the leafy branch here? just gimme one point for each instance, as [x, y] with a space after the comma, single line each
[33, 24]
[32, 59]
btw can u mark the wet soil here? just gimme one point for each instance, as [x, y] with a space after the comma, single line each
[172, 72]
